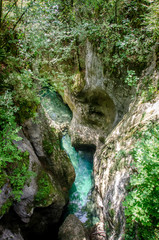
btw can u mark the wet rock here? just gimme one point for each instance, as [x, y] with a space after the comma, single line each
[72, 229]
[45, 155]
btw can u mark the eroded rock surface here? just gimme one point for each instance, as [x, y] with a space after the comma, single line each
[112, 166]
[105, 116]
[99, 106]
[72, 229]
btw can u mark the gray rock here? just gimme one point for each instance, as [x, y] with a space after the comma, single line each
[112, 173]
[99, 106]
[46, 193]
[5, 195]
[61, 174]
[72, 229]
[46, 145]
[105, 116]
[9, 235]
[25, 207]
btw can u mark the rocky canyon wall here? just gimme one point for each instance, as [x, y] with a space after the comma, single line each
[46, 194]
[99, 106]
[105, 116]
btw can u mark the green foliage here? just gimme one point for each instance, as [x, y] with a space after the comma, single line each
[48, 146]
[16, 79]
[152, 18]
[121, 154]
[8, 131]
[150, 87]
[53, 35]
[20, 175]
[13, 163]
[24, 94]
[116, 29]
[46, 190]
[18, 101]
[131, 78]
[142, 202]
[149, 93]
[5, 207]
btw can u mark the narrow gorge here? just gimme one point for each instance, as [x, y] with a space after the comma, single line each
[79, 120]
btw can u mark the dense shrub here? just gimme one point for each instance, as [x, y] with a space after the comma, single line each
[142, 202]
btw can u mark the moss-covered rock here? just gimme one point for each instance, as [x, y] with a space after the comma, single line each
[52, 173]
[6, 206]
[46, 143]
[47, 191]
[79, 83]
[45, 194]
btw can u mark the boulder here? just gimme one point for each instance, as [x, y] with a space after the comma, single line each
[72, 229]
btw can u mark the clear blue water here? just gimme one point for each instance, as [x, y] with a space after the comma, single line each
[82, 160]
[79, 193]
[57, 110]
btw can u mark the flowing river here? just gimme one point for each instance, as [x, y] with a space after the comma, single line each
[82, 160]
[83, 163]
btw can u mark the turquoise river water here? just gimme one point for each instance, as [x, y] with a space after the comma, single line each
[81, 160]
[79, 193]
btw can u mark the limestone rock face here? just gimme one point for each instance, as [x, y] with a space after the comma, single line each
[72, 229]
[98, 232]
[112, 161]
[112, 166]
[104, 117]
[52, 166]
[99, 106]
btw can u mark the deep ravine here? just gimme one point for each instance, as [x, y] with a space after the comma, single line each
[79, 195]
